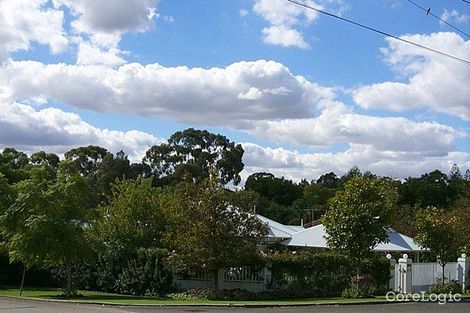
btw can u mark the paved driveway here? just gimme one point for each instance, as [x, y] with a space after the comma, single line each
[27, 306]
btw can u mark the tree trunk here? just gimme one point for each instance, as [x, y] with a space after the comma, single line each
[22, 280]
[216, 279]
[68, 284]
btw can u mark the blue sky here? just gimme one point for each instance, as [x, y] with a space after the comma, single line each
[303, 92]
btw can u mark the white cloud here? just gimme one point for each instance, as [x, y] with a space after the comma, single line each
[54, 130]
[89, 54]
[454, 17]
[286, 18]
[100, 24]
[283, 17]
[337, 124]
[104, 16]
[283, 36]
[242, 91]
[26, 21]
[433, 81]
[296, 165]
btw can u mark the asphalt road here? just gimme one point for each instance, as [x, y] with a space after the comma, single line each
[28, 306]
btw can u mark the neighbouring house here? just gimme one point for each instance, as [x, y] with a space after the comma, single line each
[315, 237]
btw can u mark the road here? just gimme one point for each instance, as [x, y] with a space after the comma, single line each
[29, 306]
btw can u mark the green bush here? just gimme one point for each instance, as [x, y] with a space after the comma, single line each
[451, 287]
[143, 272]
[326, 273]
[321, 273]
[240, 295]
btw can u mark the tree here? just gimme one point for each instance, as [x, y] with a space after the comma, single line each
[328, 180]
[134, 217]
[87, 158]
[358, 217]
[14, 165]
[441, 233]
[7, 197]
[45, 226]
[279, 190]
[128, 238]
[192, 154]
[211, 228]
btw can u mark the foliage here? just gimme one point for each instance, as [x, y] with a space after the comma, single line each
[278, 190]
[241, 295]
[134, 216]
[45, 227]
[14, 165]
[211, 227]
[128, 236]
[440, 232]
[196, 155]
[452, 287]
[145, 274]
[319, 272]
[359, 216]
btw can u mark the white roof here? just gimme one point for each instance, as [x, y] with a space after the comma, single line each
[314, 237]
[277, 230]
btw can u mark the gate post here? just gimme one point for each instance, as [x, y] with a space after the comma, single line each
[392, 281]
[463, 265]
[405, 274]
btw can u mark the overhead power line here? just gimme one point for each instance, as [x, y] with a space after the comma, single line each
[466, 1]
[429, 12]
[379, 31]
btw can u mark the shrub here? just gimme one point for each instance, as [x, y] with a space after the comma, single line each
[326, 273]
[451, 287]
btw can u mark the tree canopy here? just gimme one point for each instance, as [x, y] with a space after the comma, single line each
[195, 154]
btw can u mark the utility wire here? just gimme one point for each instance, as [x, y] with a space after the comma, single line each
[379, 31]
[429, 12]
[466, 1]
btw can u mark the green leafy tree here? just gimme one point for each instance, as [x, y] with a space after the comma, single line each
[193, 154]
[45, 226]
[14, 165]
[358, 217]
[128, 238]
[441, 233]
[212, 228]
[134, 217]
[279, 190]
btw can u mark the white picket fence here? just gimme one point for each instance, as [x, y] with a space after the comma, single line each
[419, 277]
[424, 275]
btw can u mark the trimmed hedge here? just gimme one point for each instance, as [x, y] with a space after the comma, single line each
[324, 273]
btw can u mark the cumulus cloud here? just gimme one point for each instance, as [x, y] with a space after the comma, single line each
[295, 165]
[283, 17]
[432, 80]
[286, 18]
[242, 91]
[26, 21]
[338, 124]
[104, 16]
[54, 130]
[100, 24]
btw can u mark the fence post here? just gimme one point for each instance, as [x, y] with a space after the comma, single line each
[462, 271]
[392, 282]
[266, 277]
[405, 274]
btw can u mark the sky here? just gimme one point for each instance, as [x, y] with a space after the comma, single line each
[302, 92]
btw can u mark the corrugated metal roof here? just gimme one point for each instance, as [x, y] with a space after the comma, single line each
[314, 237]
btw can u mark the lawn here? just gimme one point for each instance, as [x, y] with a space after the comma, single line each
[108, 298]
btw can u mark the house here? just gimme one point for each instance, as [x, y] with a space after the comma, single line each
[315, 237]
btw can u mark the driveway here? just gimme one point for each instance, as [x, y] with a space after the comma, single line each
[30, 306]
